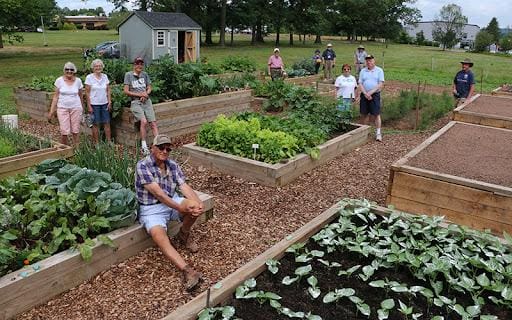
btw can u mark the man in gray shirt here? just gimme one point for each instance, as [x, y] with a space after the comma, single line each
[359, 59]
[137, 86]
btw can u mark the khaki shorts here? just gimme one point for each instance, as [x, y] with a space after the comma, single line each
[143, 110]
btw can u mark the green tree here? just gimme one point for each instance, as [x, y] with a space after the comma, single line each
[116, 17]
[483, 39]
[420, 38]
[506, 42]
[494, 29]
[449, 25]
[19, 13]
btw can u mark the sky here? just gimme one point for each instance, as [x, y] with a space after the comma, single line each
[479, 12]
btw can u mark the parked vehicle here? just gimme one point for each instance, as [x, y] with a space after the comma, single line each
[106, 49]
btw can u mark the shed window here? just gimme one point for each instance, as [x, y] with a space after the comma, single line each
[160, 38]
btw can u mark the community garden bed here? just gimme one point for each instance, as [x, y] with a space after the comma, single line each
[184, 116]
[33, 103]
[504, 90]
[461, 172]
[278, 174]
[358, 261]
[48, 218]
[19, 151]
[493, 111]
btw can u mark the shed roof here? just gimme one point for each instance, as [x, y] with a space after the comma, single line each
[165, 20]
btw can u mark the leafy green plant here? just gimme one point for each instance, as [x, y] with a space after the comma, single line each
[238, 63]
[302, 68]
[58, 206]
[45, 83]
[226, 313]
[14, 141]
[6, 148]
[115, 160]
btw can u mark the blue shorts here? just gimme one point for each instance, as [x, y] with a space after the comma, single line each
[370, 106]
[100, 113]
[159, 214]
[345, 104]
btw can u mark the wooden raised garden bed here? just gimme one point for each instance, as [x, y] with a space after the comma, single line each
[462, 172]
[307, 81]
[18, 164]
[180, 117]
[27, 287]
[278, 174]
[493, 111]
[407, 289]
[505, 90]
[34, 103]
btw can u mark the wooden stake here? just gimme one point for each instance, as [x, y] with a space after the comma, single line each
[417, 106]
[481, 81]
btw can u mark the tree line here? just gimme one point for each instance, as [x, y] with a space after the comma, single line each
[353, 18]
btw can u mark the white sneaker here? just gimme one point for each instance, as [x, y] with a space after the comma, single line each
[145, 151]
[378, 137]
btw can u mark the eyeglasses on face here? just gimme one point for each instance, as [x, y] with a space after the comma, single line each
[139, 63]
[162, 147]
[346, 69]
[69, 70]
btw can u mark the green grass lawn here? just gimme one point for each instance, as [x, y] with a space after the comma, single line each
[401, 62]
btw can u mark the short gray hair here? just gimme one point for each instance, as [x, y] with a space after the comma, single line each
[69, 65]
[97, 62]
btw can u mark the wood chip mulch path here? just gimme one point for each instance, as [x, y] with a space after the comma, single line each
[248, 219]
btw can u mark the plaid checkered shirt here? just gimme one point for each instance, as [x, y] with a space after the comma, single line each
[147, 171]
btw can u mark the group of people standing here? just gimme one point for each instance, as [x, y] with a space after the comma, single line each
[69, 100]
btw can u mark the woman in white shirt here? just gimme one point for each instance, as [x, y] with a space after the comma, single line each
[67, 102]
[346, 85]
[99, 101]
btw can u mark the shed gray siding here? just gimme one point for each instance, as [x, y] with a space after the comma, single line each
[136, 40]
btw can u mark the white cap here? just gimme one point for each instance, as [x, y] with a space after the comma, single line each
[276, 49]
[329, 44]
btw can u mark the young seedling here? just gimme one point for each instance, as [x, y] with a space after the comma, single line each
[226, 313]
[385, 306]
[272, 265]
[313, 290]
[300, 272]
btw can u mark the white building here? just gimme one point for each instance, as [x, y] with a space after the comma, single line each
[468, 32]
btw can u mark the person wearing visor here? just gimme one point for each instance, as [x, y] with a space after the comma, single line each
[137, 86]
[157, 180]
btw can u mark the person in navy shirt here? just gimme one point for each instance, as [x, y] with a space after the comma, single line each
[464, 83]
[329, 60]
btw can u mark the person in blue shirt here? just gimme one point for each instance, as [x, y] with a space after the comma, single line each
[463, 83]
[329, 60]
[371, 82]
[317, 60]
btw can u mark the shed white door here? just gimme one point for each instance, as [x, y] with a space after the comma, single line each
[173, 44]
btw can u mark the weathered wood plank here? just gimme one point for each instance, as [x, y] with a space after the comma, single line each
[65, 270]
[461, 218]
[11, 166]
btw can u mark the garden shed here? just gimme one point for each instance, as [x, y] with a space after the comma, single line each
[151, 35]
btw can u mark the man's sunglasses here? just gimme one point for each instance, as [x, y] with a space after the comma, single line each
[163, 147]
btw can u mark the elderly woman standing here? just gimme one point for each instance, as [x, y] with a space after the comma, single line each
[67, 103]
[99, 103]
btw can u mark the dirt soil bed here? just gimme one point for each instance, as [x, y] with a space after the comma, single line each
[499, 106]
[297, 298]
[248, 219]
[476, 152]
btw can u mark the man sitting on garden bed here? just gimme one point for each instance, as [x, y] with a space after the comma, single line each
[155, 184]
